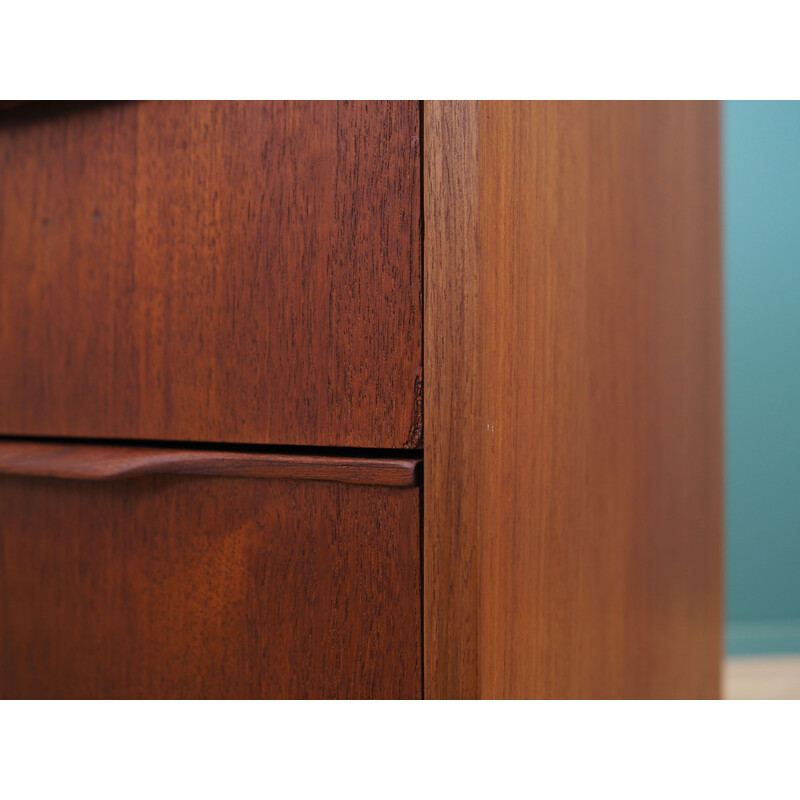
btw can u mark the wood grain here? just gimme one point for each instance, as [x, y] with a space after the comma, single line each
[572, 539]
[114, 462]
[187, 587]
[242, 272]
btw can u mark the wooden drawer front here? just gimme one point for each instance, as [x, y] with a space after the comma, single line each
[212, 271]
[197, 587]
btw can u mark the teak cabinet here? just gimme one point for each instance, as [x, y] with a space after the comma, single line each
[360, 400]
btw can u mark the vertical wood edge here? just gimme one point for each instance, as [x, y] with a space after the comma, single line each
[450, 209]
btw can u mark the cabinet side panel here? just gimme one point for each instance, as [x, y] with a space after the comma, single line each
[594, 404]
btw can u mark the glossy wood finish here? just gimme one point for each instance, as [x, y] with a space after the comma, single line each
[572, 400]
[114, 462]
[188, 587]
[219, 272]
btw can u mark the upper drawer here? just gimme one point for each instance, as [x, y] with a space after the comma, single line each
[212, 271]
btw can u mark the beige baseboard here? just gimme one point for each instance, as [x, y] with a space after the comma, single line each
[761, 678]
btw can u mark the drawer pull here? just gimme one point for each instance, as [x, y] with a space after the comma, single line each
[114, 462]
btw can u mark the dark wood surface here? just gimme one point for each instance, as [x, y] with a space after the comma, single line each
[223, 272]
[113, 462]
[572, 400]
[188, 587]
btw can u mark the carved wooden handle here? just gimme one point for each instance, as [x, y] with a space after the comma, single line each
[110, 462]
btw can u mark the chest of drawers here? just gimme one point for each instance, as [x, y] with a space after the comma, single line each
[365, 399]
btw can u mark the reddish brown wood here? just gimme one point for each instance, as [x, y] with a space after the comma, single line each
[572, 400]
[188, 587]
[108, 462]
[212, 271]
[251, 273]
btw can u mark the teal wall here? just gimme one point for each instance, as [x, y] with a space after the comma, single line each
[762, 305]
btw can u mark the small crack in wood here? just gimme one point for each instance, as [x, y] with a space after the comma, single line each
[415, 433]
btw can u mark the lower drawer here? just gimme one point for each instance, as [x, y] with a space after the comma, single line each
[196, 586]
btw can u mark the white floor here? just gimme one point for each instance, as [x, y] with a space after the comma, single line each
[761, 678]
